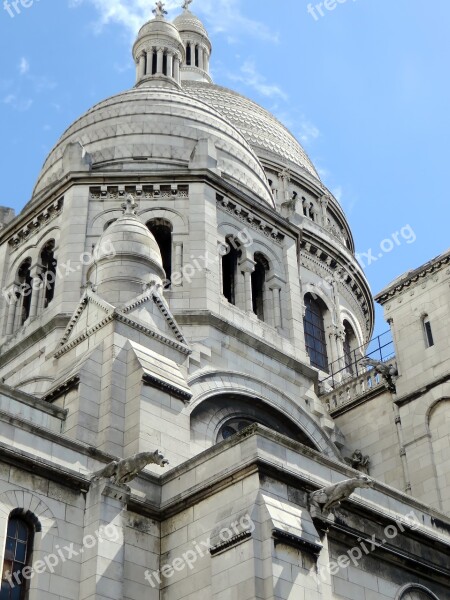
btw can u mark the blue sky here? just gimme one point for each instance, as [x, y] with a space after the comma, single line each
[364, 87]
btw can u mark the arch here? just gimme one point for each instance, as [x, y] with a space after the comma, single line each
[315, 332]
[217, 383]
[19, 542]
[180, 223]
[438, 425]
[350, 345]
[27, 502]
[31, 250]
[423, 593]
[346, 315]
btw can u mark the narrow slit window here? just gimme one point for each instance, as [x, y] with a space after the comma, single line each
[428, 332]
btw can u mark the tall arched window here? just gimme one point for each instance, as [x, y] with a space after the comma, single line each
[162, 232]
[188, 53]
[197, 56]
[259, 285]
[18, 550]
[154, 62]
[230, 262]
[26, 289]
[350, 345]
[314, 326]
[48, 263]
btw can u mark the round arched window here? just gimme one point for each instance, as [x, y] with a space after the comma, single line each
[232, 427]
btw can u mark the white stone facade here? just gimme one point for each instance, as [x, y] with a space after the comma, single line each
[182, 280]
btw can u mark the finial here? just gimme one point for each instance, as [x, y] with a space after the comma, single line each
[129, 207]
[159, 11]
[186, 4]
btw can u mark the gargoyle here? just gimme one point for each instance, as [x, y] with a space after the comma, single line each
[387, 372]
[122, 471]
[322, 501]
[359, 461]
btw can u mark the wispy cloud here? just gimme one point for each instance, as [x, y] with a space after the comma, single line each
[251, 78]
[221, 16]
[24, 66]
[18, 103]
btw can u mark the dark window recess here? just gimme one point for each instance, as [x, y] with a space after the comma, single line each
[154, 62]
[258, 285]
[188, 54]
[49, 273]
[229, 273]
[315, 338]
[428, 333]
[162, 232]
[26, 283]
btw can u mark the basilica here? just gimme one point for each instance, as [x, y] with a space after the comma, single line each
[191, 402]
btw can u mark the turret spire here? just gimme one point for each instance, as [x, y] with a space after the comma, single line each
[159, 10]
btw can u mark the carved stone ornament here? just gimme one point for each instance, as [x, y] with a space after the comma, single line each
[122, 471]
[324, 500]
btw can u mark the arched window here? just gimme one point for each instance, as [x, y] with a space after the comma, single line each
[162, 232]
[165, 63]
[26, 289]
[48, 276]
[416, 592]
[188, 53]
[108, 223]
[196, 56]
[259, 285]
[18, 550]
[428, 332]
[230, 262]
[233, 426]
[314, 326]
[350, 345]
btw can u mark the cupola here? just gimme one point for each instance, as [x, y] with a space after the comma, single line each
[158, 52]
[198, 47]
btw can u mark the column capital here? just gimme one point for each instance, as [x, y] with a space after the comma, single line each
[275, 282]
[247, 265]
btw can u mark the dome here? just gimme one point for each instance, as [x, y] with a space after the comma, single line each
[159, 27]
[127, 257]
[147, 129]
[269, 138]
[188, 22]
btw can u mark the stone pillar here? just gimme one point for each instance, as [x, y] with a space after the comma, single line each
[206, 62]
[178, 262]
[38, 290]
[246, 266]
[275, 285]
[159, 63]
[12, 307]
[18, 311]
[176, 69]
[169, 65]
[200, 58]
[323, 201]
[102, 569]
[141, 66]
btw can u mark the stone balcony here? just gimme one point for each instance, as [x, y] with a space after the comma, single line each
[353, 389]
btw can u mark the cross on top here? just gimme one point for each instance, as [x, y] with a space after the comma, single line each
[129, 206]
[159, 11]
[186, 4]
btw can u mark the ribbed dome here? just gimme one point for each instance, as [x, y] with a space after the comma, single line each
[268, 137]
[187, 22]
[159, 27]
[154, 128]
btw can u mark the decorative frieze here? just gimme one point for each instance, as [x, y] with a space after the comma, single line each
[48, 214]
[250, 219]
[140, 192]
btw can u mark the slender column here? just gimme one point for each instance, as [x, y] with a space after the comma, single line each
[200, 58]
[37, 290]
[18, 313]
[159, 63]
[141, 66]
[178, 263]
[12, 307]
[206, 62]
[176, 69]
[276, 291]
[169, 65]
[247, 266]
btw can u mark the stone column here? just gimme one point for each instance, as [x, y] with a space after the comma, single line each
[37, 290]
[159, 63]
[169, 65]
[12, 307]
[178, 263]
[275, 284]
[141, 66]
[102, 569]
[246, 267]
[176, 69]
[200, 58]
[206, 62]
[324, 201]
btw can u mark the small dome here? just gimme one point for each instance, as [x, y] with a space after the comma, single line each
[188, 22]
[127, 258]
[159, 28]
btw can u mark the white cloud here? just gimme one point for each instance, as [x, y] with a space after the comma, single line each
[250, 77]
[221, 16]
[17, 103]
[24, 66]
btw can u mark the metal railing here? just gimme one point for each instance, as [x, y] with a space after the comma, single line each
[380, 348]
